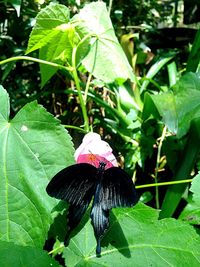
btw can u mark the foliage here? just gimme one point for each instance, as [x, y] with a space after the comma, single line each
[191, 212]
[136, 237]
[150, 117]
[16, 255]
[23, 192]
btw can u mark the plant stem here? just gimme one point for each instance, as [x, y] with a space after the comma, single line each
[56, 249]
[157, 166]
[71, 69]
[76, 80]
[110, 6]
[75, 128]
[35, 60]
[163, 183]
[87, 87]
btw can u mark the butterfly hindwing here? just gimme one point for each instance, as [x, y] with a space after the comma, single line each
[74, 216]
[100, 223]
[74, 184]
[116, 190]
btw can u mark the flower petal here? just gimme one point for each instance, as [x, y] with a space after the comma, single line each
[93, 150]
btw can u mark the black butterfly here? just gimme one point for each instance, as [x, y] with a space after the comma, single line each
[78, 183]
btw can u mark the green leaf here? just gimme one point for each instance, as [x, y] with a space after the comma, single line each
[49, 23]
[177, 108]
[58, 50]
[194, 56]
[165, 105]
[46, 71]
[56, 37]
[19, 256]
[172, 73]
[191, 212]
[106, 59]
[136, 238]
[153, 71]
[4, 106]
[30, 144]
[189, 81]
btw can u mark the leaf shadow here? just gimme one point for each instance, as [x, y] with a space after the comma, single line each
[116, 238]
[59, 228]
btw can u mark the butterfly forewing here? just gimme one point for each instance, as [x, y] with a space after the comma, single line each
[117, 189]
[74, 184]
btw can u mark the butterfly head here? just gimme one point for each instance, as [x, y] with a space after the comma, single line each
[102, 165]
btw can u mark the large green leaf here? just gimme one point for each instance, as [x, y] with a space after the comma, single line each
[106, 59]
[49, 22]
[58, 35]
[163, 105]
[59, 50]
[136, 238]
[177, 108]
[34, 146]
[19, 256]
[191, 212]
[54, 36]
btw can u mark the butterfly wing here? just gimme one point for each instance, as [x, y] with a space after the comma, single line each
[74, 216]
[74, 184]
[116, 190]
[100, 223]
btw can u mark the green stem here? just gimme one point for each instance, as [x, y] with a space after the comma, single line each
[163, 183]
[56, 249]
[75, 128]
[35, 60]
[84, 39]
[157, 166]
[76, 80]
[149, 80]
[87, 87]
[110, 7]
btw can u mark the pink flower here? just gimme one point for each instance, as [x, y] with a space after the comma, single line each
[93, 150]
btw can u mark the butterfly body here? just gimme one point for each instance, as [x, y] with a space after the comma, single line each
[79, 183]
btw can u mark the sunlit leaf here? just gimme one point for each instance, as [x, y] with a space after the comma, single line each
[59, 50]
[106, 59]
[48, 23]
[56, 37]
[178, 108]
[136, 238]
[30, 144]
